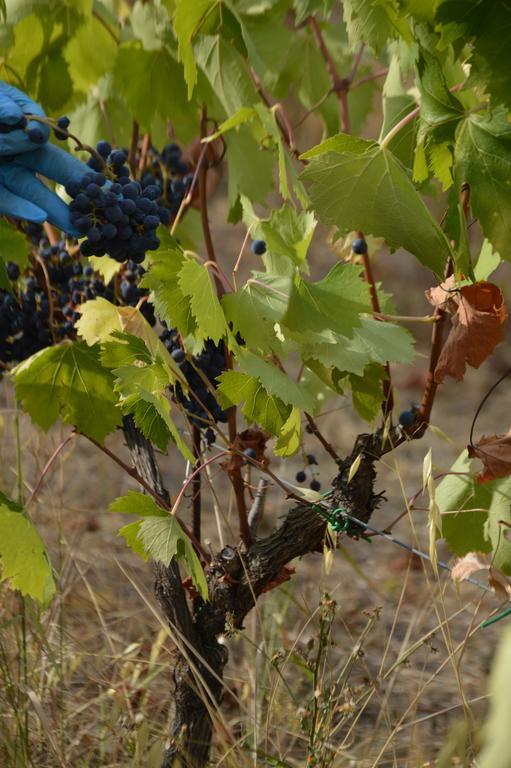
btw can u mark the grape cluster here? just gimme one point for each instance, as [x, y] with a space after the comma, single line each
[117, 216]
[200, 371]
[42, 306]
[167, 171]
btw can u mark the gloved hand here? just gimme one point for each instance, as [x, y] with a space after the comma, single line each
[22, 194]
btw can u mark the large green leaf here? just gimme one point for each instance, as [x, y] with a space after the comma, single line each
[274, 380]
[187, 20]
[68, 381]
[483, 160]
[85, 69]
[226, 71]
[358, 185]
[486, 24]
[24, 560]
[257, 307]
[332, 304]
[145, 103]
[142, 379]
[373, 22]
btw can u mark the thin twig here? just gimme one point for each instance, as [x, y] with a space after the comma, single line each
[203, 203]
[388, 397]
[48, 466]
[324, 442]
[196, 485]
[133, 148]
[340, 85]
[144, 150]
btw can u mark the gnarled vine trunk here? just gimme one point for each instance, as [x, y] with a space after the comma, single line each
[235, 579]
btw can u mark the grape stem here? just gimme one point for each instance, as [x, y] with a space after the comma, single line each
[79, 145]
[133, 147]
[196, 485]
[340, 85]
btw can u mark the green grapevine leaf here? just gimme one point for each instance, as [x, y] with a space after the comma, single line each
[332, 304]
[250, 168]
[187, 21]
[255, 309]
[145, 103]
[259, 407]
[103, 111]
[374, 23]
[289, 440]
[68, 381]
[136, 503]
[55, 84]
[289, 233]
[226, 71]
[158, 535]
[163, 539]
[24, 560]
[150, 23]
[162, 279]
[367, 391]
[360, 186]
[487, 25]
[483, 160]
[196, 283]
[142, 378]
[85, 69]
[275, 381]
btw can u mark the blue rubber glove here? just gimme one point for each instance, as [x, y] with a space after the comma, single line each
[22, 194]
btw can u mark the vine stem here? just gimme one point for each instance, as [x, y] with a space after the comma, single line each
[234, 473]
[196, 485]
[408, 119]
[340, 85]
[133, 148]
[388, 395]
[324, 442]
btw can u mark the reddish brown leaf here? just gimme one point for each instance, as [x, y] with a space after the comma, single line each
[478, 317]
[495, 453]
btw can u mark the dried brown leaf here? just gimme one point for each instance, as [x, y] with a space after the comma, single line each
[495, 453]
[478, 317]
[465, 566]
